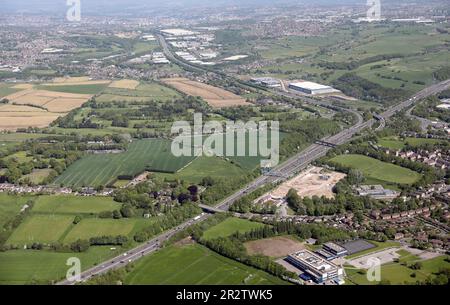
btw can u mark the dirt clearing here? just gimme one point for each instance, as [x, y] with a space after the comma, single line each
[274, 247]
[314, 181]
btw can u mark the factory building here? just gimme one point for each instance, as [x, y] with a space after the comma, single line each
[312, 88]
[317, 268]
[267, 81]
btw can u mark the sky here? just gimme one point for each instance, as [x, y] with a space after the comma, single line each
[126, 6]
[94, 5]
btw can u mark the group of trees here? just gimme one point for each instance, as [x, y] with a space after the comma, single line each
[169, 220]
[428, 109]
[355, 64]
[52, 152]
[353, 85]
[304, 231]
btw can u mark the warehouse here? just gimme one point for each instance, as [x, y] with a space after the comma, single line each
[316, 267]
[312, 88]
[267, 81]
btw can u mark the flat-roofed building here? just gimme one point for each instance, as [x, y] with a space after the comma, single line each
[319, 269]
[312, 88]
[335, 249]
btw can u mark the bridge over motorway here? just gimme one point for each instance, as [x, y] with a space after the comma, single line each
[210, 209]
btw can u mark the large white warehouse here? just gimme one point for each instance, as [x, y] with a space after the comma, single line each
[312, 88]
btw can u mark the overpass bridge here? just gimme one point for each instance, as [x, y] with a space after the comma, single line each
[210, 209]
[326, 144]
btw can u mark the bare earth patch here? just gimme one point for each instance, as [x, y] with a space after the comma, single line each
[216, 97]
[314, 181]
[274, 247]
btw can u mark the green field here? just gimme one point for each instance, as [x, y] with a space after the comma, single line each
[5, 90]
[27, 266]
[205, 167]
[38, 175]
[20, 137]
[143, 93]
[398, 274]
[10, 206]
[41, 228]
[74, 205]
[230, 226]
[375, 169]
[94, 170]
[95, 227]
[398, 144]
[78, 89]
[195, 265]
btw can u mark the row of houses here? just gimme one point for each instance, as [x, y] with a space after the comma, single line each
[425, 211]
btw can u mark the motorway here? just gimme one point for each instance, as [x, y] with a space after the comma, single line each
[279, 173]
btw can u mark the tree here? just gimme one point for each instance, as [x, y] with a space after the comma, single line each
[127, 211]
[80, 245]
[116, 214]
[355, 177]
[77, 219]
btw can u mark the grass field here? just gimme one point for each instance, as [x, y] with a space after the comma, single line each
[397, 144]
[205, 167]
[25, 266]
[94, 170]
[95, 227]
[6, 90]
[40, 228]
[195, 265]
[230, 226]
[398, 274]
[10, 206]
[74, 205]
[375, 169]
[142, 93]
[38, 175]
[77, 89]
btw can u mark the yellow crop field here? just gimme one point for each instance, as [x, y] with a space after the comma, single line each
[125, 84]
[19, 109]
[12, 123]
[216, 97]
[63, 105]
[70, 80]
[23, 86]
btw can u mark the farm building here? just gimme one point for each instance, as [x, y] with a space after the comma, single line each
[312, 88]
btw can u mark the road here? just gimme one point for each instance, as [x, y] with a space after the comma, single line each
[279, 173]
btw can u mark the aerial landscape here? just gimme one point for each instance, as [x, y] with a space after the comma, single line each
[263, 143]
